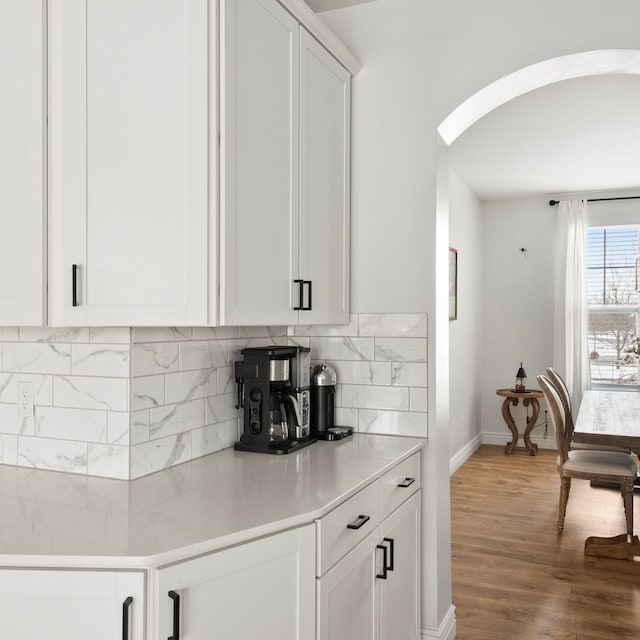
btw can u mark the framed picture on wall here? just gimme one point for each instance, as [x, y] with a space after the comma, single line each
[453, 283]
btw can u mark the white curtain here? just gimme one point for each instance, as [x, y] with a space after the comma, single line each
[570, 351]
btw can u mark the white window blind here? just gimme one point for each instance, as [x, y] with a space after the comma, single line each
[612, 299]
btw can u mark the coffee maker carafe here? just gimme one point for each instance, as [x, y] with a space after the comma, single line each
[273, 389]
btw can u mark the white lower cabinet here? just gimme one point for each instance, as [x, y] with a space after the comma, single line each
[360, 599]
[260, 590]
[72, 605]
[347, 596]
[400, 591]
[372, 592]
[352, 575]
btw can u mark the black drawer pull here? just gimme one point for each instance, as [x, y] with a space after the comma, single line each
[407, 482]
[176, 615]
[310, 305]
[360, 522]
[74, 285]
[125, 617]
[383, 575]
[300, 306]
[392, 553]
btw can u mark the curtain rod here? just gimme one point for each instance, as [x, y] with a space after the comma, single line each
[554, 202]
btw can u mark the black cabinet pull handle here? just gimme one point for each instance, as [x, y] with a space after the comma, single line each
[407, 482]
[74, 285]
[310, 305]
[125, 617]
[392, 552]
[383, 575]
[300, 306]
[176, 615]
[360, 522]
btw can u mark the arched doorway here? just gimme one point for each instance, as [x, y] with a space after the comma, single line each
[536, 76]
[589, 63]
[503, 90]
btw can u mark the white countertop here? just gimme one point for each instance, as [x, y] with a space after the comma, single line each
[56, 519]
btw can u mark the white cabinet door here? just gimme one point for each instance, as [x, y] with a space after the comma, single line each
[259, 168]
[347, 597]
[22, 162]
[262, 590]
[400, 592]
[71, 605]
[129, 172]
[325, 117]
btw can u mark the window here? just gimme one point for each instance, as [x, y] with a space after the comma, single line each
[613, 301]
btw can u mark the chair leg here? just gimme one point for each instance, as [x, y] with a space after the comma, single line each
[565, 487]
[627, 494]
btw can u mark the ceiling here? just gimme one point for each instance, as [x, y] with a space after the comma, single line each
[578, 135]
[329, 5]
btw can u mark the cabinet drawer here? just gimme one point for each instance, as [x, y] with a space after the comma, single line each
[399, 483]
[348, 524]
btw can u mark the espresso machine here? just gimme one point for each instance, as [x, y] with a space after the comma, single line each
[273, 390]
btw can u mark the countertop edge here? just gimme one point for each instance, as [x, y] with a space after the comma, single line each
[104, 562]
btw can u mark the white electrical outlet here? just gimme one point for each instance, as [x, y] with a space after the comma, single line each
[25, 399]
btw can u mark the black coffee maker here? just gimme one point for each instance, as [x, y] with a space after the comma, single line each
[273, 389]
[323, 402]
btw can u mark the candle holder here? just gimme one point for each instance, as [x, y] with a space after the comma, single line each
[520, 378]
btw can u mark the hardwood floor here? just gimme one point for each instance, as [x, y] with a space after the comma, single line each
[514, 577]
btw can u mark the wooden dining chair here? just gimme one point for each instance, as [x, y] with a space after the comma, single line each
[565, 397]
[603, 466]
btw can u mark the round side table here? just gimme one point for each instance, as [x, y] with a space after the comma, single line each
[528, 397]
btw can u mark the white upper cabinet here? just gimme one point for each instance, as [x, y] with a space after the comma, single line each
[325, 132]
[284, 210]
[22, 162]
[259, 167]
[133, 162]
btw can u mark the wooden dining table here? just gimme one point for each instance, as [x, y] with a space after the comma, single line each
[610, 418]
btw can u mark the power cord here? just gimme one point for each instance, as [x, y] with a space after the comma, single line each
[545, 422]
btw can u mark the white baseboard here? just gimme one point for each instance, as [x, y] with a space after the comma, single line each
[446, 630]
[464, 454]
[501, 438]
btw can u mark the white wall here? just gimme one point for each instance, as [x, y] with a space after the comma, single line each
[422, 59]
[518, 303]
[465, 333]
[518, 297]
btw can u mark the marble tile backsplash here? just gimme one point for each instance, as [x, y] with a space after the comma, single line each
[79, 379]
[381, 364]
[124, 403]
[120, 402]
[183, 392]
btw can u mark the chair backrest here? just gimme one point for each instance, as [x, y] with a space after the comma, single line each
[556, 409]
[563, 392]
